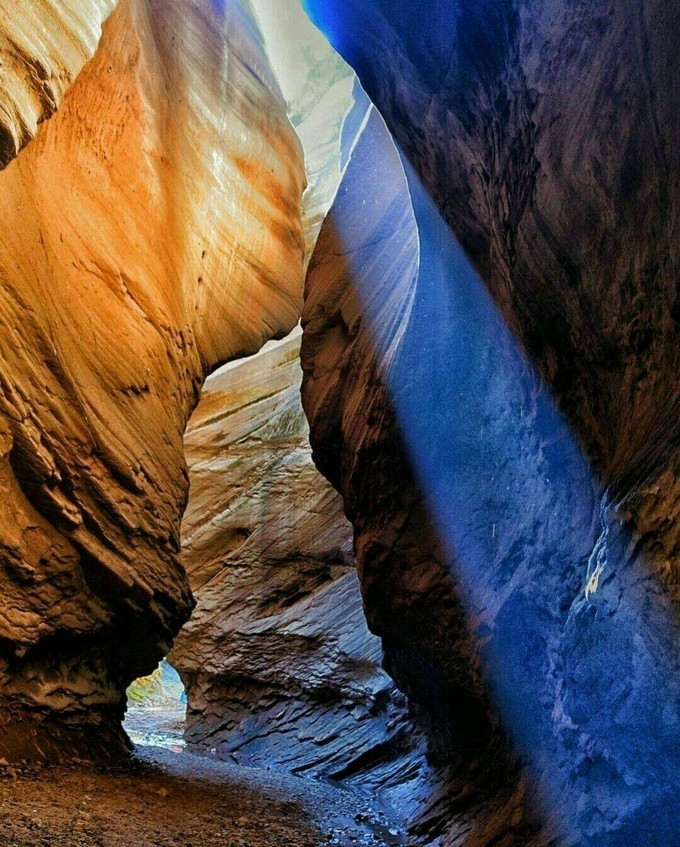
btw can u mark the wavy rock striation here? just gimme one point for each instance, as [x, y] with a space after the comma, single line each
[546, 135]
[155, 234]
[545, 606]
[279, 667]
[43, 46]
[362, 316]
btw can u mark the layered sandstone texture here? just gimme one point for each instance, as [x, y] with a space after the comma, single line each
[43, 46]
[152, 230]
[544, 607]
[363, 326]
[279, 668]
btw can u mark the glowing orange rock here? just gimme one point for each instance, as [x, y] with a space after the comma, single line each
[152, 230]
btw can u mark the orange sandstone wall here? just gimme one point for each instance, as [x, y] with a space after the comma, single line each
[43, 45]
[151, 231]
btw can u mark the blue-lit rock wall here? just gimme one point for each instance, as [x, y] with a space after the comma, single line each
[536, 626]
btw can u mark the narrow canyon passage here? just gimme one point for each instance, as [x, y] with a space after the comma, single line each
[264, 501]
[344, 382]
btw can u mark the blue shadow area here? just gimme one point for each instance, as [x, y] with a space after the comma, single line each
[579, 646]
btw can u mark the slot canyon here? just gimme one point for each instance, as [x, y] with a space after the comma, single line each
[339, 423]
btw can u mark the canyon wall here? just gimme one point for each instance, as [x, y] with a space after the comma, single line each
[510, 466]
[279, 668]
[376, 299]
[152, 231]
[43, 46]
[490, 352]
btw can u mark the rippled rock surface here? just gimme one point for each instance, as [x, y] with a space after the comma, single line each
[43, 46]
[152, 232]
[279, 667]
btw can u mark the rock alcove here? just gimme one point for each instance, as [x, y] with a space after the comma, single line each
[472, 616]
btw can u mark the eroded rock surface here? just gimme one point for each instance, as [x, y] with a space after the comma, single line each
[279, 667]
[545, 136]
[361, 314]
[43, 46]
[152, 231]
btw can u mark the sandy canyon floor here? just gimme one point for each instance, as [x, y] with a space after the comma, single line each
[163, 798]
